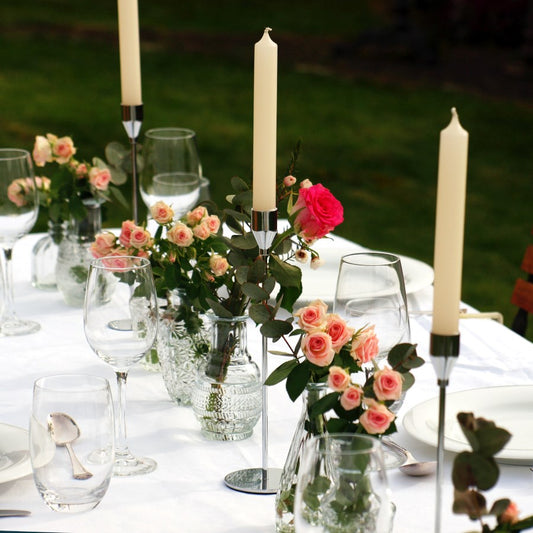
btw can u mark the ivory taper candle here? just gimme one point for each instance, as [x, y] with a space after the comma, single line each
[130, 58]
[449, 227]
[265, 121]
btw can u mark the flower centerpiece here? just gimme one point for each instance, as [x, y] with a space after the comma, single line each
[223, 274]
[71, 194]
[329, 356]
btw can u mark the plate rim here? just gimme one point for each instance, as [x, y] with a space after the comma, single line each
[429, 437]
[22, 468]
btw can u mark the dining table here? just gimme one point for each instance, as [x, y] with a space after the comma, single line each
[186, 493]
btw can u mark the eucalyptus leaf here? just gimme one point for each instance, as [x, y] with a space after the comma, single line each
[260, 313]
[219, 309]
[287, 275]
[297, 380]
[280, 373]
[327, 402]
[253, 291]
[275, 328]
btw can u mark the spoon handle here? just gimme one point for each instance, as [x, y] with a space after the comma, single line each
[78, 470]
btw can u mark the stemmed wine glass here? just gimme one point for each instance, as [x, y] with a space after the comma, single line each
[371, 290]
[19, 207]
[171, 169]
[120, 322]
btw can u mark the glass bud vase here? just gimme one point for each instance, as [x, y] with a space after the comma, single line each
[305, 428]
[182, 345]
[44, 257]
[74, 256]
[226, 397]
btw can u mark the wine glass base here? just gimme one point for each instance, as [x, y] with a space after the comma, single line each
[18, 327]
[129, 465]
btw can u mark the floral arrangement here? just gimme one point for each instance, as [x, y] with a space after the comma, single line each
[330, 351]
[477, 470]
[72, 181]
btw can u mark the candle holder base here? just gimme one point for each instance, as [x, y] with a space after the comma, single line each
[254, 480]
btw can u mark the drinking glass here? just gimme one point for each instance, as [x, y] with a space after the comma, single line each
[371, 291]
[71, 440]
[19, 207]
[342, 486]
[171, 169]
[121, 326]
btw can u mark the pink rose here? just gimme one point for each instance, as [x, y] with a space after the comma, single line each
[317, 212]
[387, 384]
[43, 183]
[289, 181]
[99, 178]
[338, 378]
[180, 234]
[377, 418]
[63, 149]
[42, 151]
[351, 397]
[140, 237]
[125, 233]
[510, 514]
[117, 261]
[162, 213]
[82, 171]
[17, 190]
[313, 316]
[219, 265]
[213, 223]
[201, 231]
[365, 345]
[317, 348]
[103, 244]
[338, 330]
[196, 215]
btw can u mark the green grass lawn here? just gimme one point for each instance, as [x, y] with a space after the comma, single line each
[375, 145]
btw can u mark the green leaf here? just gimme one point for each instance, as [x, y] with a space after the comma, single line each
[281, 373]
[275, 328]
[499, 506]
[219, 309]
[492, 440]
[329, 401]
[469, 502]
[288, 296]
[260, 313]
[255, 292]
[244, 242]
[239, 185]
[403, 357]
[297, 380]
[471, 469]
[286, 274]
[408, 381]
[241, 274]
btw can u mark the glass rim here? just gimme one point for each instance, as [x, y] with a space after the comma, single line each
[135, 263]
[77, 383]
[16, 153]
[386, 259]
[374, 443]
[170, 133]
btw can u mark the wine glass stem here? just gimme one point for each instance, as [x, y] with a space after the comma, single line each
[8, 312]
[120, 426]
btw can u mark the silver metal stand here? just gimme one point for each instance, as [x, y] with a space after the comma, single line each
[262, 480]
[132, 117]
[444, 350]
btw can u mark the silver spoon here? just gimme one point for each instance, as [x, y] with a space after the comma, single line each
[64, 430]
[412, 467]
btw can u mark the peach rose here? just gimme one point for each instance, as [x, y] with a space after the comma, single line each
[117, 261]
[162, 213]
[99, 178]
[213, 223]
[63, 149]
[351, 397]
[338, 330]
[140, 237]
[43, 183]
[201, 231]
[289, 181]
[17, 190]
[42, 151]
[82, 171]
[125, 233]
[196, 215]
[312, 316]
[180, 234]
[317, 348]
[103, 244]
[387, 384]
[510, 514]
[377, 418]
[365, 345]
[338, 378]
[219, 265]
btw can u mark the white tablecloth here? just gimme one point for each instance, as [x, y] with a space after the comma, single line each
[186, 493]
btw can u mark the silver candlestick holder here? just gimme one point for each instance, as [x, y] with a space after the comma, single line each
[444, 351]
[262, 480]
[132, 117]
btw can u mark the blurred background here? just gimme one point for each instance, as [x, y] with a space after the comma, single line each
[366, 86]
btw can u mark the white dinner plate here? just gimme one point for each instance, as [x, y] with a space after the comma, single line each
[509, 407]
[14, 454]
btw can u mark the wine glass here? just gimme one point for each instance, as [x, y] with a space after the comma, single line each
[371, 291]
[120, 322]
[342, 486]
[19, 207]
[171, 169]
